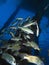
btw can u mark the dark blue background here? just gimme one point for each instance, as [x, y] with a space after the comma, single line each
[25, 9]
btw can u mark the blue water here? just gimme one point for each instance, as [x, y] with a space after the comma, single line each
[7, 7]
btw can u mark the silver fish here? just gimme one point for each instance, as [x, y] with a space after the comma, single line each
[28, 18]
[33, 45]
[26, 30]
[32, 59]
[12, 27]
[16, 39]
[33, 23]
[12, 34]
[46, 7]
[15, 22]
[37, 33]
[29, 24]
[19, 19]
[3, 30]
[9, 58]
[26, 36]
[15, 47]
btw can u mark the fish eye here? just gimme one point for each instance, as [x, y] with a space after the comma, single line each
[14, 61]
